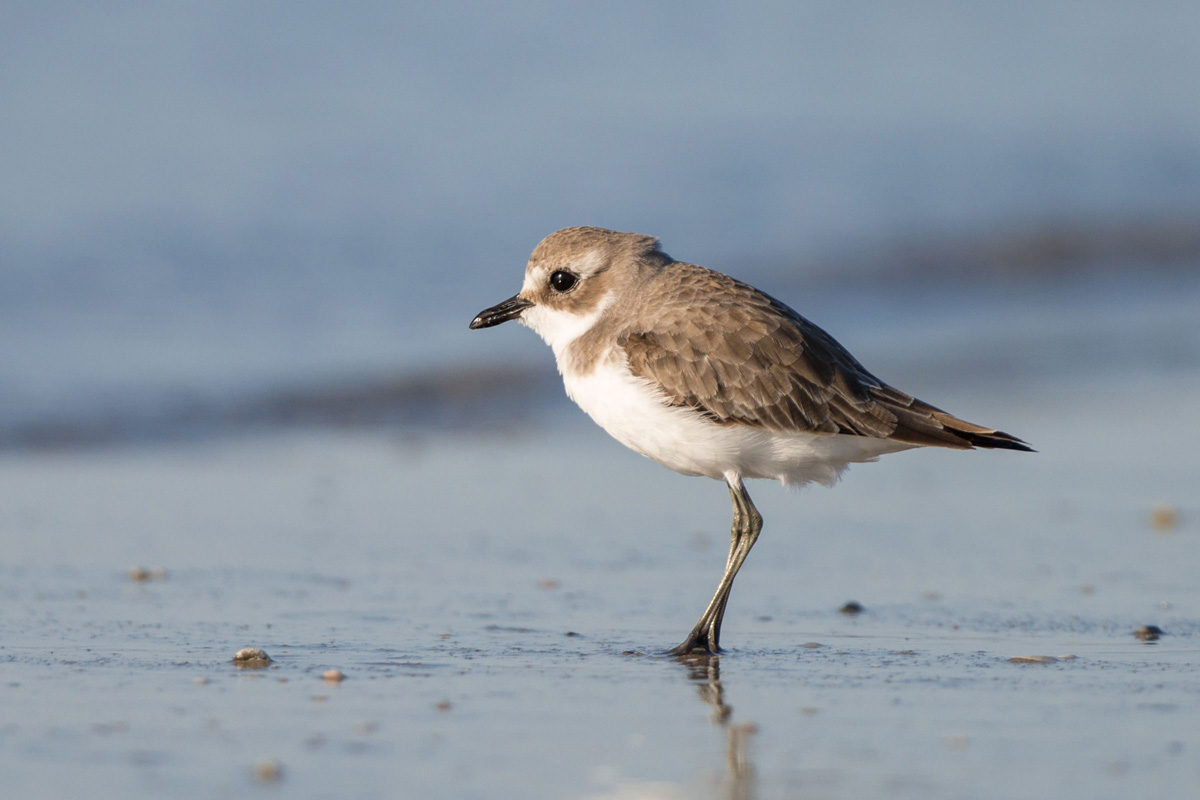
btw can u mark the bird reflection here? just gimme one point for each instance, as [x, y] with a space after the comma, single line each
[704, 670]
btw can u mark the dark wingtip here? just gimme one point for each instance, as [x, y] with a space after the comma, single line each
[996, 440]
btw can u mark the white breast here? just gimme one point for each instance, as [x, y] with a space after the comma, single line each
[633, 411]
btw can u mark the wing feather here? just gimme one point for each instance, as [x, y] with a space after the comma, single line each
[739, 356]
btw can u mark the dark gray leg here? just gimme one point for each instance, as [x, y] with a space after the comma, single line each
[747, 524]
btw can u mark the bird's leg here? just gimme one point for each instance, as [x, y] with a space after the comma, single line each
[751, 522]
[700, 639]
[736, 532]
[747, 524]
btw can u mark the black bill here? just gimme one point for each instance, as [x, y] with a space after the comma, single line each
[503, 312]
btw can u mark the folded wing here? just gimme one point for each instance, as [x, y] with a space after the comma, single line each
[751, 360]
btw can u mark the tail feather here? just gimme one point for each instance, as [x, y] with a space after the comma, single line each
[919, 423]
[976, 436]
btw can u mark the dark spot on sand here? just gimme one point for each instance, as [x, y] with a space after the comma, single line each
[1148, 633]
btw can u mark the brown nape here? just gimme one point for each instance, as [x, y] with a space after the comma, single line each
[919, 423]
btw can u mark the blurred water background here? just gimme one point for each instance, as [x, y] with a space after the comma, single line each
[215, 215]
[240, 245]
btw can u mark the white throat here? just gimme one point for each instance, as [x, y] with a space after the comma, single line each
[559, 328]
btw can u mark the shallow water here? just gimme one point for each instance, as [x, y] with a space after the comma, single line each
[236, 244]
[499, 606]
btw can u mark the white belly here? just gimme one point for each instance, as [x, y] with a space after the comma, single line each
[634, 413]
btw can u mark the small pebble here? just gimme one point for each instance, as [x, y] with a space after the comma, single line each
[1164, 518]
[549, 583]
[811, 645]
[142, 574]
[201, 681]
[267, 770]
[1149, 633]
[251, 658]
[851, 607]
[443, 705]
[333, 676]
[1033, 659]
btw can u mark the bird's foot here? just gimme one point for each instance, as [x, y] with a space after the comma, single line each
[698, 642]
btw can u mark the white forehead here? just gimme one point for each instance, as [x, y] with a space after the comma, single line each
[584, 264]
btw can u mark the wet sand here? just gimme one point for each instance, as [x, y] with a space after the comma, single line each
[498, 607]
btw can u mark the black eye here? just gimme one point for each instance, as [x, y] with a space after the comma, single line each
[562, 281]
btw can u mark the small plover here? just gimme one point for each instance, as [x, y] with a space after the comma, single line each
[709, 376]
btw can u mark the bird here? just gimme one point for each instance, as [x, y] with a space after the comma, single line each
[708, 376]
